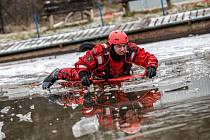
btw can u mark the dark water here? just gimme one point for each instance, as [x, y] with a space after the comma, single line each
[179, 114]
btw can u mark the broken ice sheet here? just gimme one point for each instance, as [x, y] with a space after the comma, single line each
[26, 117]
[32, 107]
[54, 131]
[74, 106]
[5, 109]
[2, 135]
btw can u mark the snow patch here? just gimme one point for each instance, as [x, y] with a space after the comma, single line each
[26, 117]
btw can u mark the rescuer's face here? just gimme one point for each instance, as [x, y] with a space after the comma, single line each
[120, 49]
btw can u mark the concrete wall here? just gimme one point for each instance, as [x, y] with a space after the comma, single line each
[140, 5]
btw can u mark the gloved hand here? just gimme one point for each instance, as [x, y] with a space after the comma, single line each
[50, 79]
[151, 71]
[84, 78]
[88, 101]
[85, 81]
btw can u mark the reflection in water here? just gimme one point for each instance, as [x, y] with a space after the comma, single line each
[49, 121]
[115, 115]
[112, 111]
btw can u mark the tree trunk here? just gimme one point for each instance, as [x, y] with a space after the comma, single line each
[1, 20]
[126, 8]
[169, 4]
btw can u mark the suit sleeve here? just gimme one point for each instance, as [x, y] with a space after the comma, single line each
[143, 58]
[88, 61]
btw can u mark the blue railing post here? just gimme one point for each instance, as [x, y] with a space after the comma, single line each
[36, 25]
[162, 5]
[100, 13]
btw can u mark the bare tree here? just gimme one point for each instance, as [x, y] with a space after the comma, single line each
[1, 20]
[18, 14]
[169, 3]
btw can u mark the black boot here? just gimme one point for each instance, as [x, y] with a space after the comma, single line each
[50, 79]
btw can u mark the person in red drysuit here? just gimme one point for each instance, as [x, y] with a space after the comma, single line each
[112, 59]
[126, 112]
[117, 110]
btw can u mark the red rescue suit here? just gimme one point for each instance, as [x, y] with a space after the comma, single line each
[110, 110]
[100, 62]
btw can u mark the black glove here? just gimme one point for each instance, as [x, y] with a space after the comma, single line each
[50, 79]
[151, 72]
[88, 101]
[84, 78]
